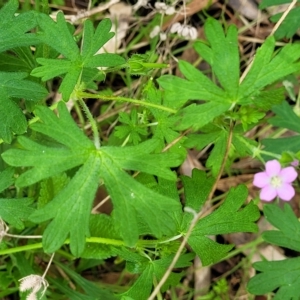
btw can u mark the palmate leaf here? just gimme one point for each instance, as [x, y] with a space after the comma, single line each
[155, 270]
[282, 275]
[222, 54]
[70, 208]
[267, 68]
[284, 117]
[290, 23]
[15, 86]
[58, 36]
[75, 200]
[228, 218]
[288, 233]
[15, 28]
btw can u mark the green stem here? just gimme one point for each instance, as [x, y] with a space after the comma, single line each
[92, 122]
[124, 99]
[96, 240]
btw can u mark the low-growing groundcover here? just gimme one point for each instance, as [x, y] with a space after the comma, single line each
[95, 142]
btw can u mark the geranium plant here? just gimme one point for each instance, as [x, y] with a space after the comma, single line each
[58, 154]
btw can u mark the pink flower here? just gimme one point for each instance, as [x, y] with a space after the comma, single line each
[275, 181]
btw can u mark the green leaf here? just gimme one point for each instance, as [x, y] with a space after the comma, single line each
[282, 275]
[70, 210]
[222, 55]
[218, 152]
[73, 152]
[58, 36]
[155, 269]
[267, 68]
[17, 27]
[195, 197]
[289, 144]
[6, 178]
[198, 86]
[266, 3]
[134, 204]
[290, 24]
[137, 158]
[14, 85]
[285, 117]
[90, 288]
[15, 211]
[50, 187]
[228, 218]
[288, 233]
[142, 286]
[197, 116]
[164, 124]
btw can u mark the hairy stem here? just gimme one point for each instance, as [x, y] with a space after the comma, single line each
[92, 122]
[124, 99]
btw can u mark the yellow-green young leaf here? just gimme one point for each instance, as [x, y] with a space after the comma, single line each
[17, 27]
[50, 187]
[102, 226]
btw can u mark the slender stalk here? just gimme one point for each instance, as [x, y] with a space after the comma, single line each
[17, 236]
[124, 99]
[194, 221]
[92, 122]
[49, 264]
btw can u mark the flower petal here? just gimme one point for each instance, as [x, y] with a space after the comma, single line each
[286, 192]
[273, 167]
[261, 179]
[288, 174]
[268, 193]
